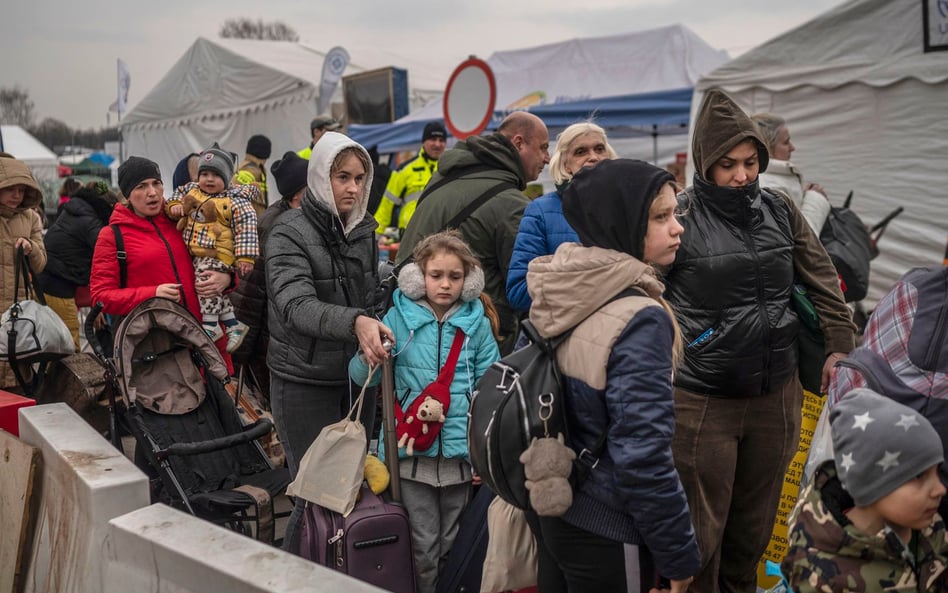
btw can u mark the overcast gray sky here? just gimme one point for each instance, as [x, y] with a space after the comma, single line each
[64, 53]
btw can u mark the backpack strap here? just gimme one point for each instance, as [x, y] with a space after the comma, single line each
[120, 255]
[588, 459]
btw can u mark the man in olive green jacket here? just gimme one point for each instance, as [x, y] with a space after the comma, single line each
[515, 154]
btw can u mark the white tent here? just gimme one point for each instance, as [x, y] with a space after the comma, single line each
[613, 76]
[227, 90]
[41, 160]
[867, 109]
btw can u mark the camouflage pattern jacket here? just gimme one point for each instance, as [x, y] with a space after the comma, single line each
[827, 554]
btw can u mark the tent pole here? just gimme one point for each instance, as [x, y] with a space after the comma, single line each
[655, 144]
[121, 140]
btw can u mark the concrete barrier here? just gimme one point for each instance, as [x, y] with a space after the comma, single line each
[83, 483]
[162, 549]
[96, 532]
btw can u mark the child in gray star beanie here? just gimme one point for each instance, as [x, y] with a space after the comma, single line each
[880, 444]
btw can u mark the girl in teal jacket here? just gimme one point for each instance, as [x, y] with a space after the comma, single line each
[436, 296]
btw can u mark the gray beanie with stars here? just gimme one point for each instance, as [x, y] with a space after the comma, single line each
[880, 444]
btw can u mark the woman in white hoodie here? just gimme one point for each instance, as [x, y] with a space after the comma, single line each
[783, 175]
[322, 274]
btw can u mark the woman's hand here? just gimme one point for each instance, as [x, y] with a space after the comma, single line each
[815, 187]
[831, 361]
[24, 243]
[100, 321]
[370, 333]
[212, 283]
[172, 292]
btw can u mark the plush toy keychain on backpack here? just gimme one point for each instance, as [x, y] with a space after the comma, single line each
[547, 463]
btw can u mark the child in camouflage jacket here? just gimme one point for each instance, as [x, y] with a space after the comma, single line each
[868, 521]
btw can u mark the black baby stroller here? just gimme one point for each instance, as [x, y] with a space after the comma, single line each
[188, 434]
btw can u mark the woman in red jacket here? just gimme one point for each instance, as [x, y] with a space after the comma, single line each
[157, 260]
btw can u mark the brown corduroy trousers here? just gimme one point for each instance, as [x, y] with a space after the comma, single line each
[732, 454]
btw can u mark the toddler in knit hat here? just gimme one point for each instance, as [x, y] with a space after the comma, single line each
[869, 520]
[219, 225]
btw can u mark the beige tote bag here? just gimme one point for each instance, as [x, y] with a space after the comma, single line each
[511, 561]
[331, 471]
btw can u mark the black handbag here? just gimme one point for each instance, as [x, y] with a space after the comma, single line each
[811, 346]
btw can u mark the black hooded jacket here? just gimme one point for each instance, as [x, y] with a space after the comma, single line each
[731, 281]
[70, 242]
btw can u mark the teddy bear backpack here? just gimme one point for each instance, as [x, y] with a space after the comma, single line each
[418, 426]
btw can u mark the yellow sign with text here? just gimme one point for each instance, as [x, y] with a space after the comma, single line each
[777, 549]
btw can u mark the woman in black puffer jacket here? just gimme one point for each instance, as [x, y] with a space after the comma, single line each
[737, 392]
[70, 242]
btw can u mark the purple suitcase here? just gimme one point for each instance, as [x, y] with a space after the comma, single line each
[372, 544]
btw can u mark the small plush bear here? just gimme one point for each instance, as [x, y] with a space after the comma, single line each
[190, 203]
[212, 214]
[409, 431]
[547, 463]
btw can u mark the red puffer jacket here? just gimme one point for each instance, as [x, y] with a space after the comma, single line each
[156, 255]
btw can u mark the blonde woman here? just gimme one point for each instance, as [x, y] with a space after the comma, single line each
[543, 227]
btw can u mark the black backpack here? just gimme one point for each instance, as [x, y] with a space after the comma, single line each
[850, 246]
[518, 398]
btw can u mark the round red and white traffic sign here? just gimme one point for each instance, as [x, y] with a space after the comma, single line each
[469, 98]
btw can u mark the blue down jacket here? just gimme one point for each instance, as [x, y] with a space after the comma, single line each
[542, 229]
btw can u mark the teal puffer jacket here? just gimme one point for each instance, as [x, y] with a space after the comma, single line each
[422, 345]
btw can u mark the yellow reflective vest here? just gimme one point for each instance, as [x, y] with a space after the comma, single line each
[403, 189]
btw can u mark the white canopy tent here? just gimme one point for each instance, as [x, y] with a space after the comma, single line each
[227, 90]
[867, 109]
[41, 160]
[611, 73]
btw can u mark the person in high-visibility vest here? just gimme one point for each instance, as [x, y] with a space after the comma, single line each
[252, 170]
[319, 126]
[406, 184]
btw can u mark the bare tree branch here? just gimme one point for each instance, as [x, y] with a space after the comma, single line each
[16, 107]
[244, 28]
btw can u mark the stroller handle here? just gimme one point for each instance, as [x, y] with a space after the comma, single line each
[90, 330]
[252, 432]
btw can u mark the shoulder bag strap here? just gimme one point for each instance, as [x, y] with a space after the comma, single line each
[21, 271]
[446, 376]
[120, 255]
[460, 216]
[431, 187]
[19, 274]
[477, 203]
